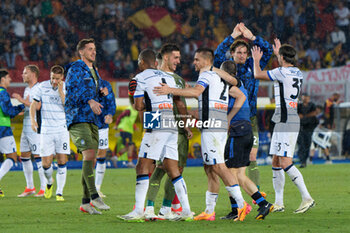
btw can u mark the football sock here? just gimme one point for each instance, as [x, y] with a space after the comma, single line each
[210, 201]
[298, 180]
[41, 173]
[166, 203]
[278, 181]
[61, 176]
[28, 172]
[234, 206]
[88, 173]
[181, 192]
[259, 199]
[6, 166]
[100, 172]
[86, 195]
[236, 193]
[169, 192]
[253, 173]
[176, 202]
[142, 182]
[48, 175]
[154, 183]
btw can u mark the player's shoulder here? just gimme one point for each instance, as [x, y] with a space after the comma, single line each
[209, 75]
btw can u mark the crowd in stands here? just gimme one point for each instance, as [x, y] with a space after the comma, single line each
[48, 30]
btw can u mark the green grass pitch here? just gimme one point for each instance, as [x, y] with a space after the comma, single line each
[329, 185]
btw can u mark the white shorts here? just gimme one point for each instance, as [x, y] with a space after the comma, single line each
[57, 143]
[160, 145]
[284, 139]
[30, 142]
[144, 147]
[103, 141]
[213, 147]
[7, 145]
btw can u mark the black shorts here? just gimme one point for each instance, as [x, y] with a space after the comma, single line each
[237, 151]
[126, 138]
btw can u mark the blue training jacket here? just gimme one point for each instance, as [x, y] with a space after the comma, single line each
[245, 71]
[80, 88]
[108, 103]
[9, 110]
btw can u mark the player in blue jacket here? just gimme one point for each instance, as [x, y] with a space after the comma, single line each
[7, 111]
[82, 107]
[239, 50]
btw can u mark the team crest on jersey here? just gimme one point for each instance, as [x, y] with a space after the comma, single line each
[54, 99]
[151, 120]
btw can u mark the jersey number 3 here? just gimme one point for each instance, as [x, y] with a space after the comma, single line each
[297, 84]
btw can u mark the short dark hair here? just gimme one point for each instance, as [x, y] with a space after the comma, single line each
[148, 56]
[239, 43]
[207, 53]
[57, 69]
[168, 48]
[34, 69]
[83, 42]
[230, 67]
[159, 56]
[3, 73]
[288, 53]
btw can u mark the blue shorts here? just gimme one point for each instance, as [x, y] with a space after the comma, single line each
[126, 138]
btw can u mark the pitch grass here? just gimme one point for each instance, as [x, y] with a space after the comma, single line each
[328, 184]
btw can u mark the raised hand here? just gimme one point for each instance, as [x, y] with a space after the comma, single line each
[256, 53]
[246, 32]
[276, 47]
[236, 31]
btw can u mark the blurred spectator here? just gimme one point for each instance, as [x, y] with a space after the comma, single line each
[9, 54]
[118, 64]
[342, 14]
[37, 27]
[338, 36]
[110, 45]
[312, 52]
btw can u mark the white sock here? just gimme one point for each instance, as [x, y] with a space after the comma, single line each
[141, 189]
[210, 200]
[61, 176]
[181, 192]
[235, 193]
[41, 174]
[298, 180]
[28, 172]
[176, 206]
[100, 173]
[48, 175]
[278, 181]
[5, 167]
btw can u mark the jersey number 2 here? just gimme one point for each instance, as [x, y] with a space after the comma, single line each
[297, 84]
[222, 95]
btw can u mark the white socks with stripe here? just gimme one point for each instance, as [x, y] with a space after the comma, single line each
[28, 172]
[210, 201]
[181, 192]
[61, 176]
[142, 182]
[5, 167]
[298, 180]
[235, 193]
[278, 181]
[100, 172]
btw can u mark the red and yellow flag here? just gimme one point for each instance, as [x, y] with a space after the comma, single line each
[154, 21]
